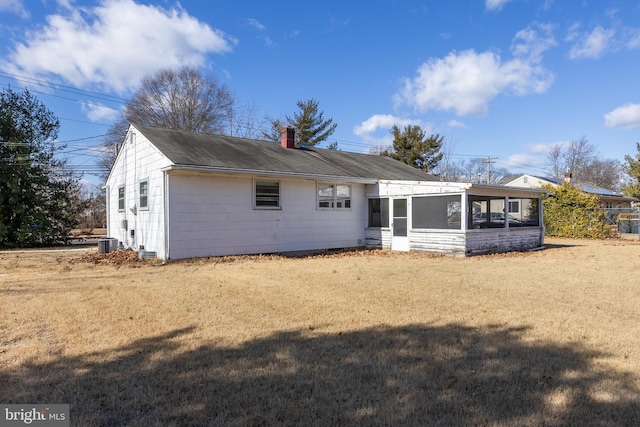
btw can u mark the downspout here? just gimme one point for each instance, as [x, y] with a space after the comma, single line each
[165, 213]
[107, 206]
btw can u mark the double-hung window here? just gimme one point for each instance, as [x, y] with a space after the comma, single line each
[334, 196]
[266, 194]
[144, 194]
[121, 198]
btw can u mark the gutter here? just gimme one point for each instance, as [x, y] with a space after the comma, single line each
[269, 173]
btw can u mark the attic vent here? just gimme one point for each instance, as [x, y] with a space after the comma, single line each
[132, 138]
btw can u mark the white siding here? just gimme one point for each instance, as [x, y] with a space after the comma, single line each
[213, 215]
[378, 238]
[503, 240]
[450, 242]
[137, 160]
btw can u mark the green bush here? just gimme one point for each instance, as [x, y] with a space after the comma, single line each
[570, 212]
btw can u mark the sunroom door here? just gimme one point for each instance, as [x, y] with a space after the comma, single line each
[399, 226]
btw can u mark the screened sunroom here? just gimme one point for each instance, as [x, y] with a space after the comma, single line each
[453, 218]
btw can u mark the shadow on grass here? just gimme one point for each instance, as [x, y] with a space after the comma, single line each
[412, 375]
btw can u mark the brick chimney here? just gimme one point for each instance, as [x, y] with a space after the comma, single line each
[567, 177]
[288, 137]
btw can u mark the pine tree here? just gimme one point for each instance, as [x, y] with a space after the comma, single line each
[412, 147]
[309, 123]
[39, 199]
[311, 128]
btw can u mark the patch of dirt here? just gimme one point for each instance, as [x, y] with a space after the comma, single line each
[116, 258]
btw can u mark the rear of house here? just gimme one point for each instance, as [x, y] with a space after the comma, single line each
[183, 195]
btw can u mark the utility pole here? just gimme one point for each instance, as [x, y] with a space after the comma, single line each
[488, 162]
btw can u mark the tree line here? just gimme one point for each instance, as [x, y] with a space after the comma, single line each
[41, 199]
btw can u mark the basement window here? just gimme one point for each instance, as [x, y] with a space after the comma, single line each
[266, 194]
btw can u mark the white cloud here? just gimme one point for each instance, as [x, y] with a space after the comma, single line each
[384, 122]
[495, 4]
[113, 45]
[256, 24]
[99, 112]
[626, 116]
[533, 41]
[465, 82]
[520, 161]
[632, 39]
[591, 45]
[14, 6]
[456, 124]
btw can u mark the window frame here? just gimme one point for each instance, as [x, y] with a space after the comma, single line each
[447, 214]
[335, 202]
[121, 198]
[146, 205]
[262, 196]
[381, 213]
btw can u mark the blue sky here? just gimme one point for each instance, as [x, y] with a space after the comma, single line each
[498, 78]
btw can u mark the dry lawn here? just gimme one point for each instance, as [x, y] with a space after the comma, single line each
[363, 338]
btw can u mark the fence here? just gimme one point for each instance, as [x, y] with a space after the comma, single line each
[624, 221]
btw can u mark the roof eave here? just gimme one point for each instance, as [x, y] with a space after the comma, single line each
[281, 174]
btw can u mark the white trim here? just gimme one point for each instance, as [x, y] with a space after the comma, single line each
[254, 194]
[145, 208]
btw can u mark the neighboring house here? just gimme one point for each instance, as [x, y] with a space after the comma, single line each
[182, 195]
[610, 199]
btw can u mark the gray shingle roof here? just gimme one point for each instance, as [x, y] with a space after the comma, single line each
[189, 149]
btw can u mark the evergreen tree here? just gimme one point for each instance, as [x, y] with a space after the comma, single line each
[413, 147]
[39, 199]
[632, 168]
[309, 123]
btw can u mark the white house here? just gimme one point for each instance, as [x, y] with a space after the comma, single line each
[181, 194]
[610, 199]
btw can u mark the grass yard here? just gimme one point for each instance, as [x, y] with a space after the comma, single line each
[364, 338]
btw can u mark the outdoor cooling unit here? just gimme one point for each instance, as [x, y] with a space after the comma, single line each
[107, 244]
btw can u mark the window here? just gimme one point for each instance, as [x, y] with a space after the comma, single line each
[514, 206]
[527, 214]
[144, 194]
[437, 212]
[486, 212]
[267, 194]
[379, 212]
[334, 196]
[121, 198]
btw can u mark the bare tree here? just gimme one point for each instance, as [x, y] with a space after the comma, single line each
[184, 99]
[379, 149]
[446, 169]
[111, 145]
[243, 120]
[603, 173]
[554, 161]
[577, 156]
